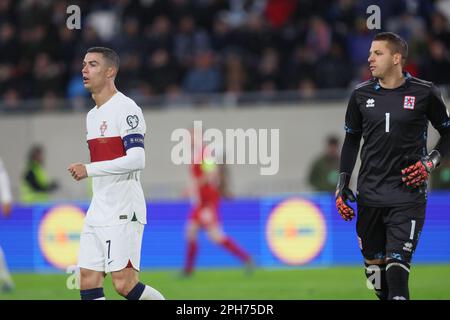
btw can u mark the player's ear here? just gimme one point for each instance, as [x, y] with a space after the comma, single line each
[111, 72]
[397, 58]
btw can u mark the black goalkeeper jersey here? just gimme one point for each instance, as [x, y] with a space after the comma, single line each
[393, 124]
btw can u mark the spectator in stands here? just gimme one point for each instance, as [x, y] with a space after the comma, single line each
[307, 88]
[358, 42]
[51, 102]
[11, 100]
[318, 36]
[129, 40]
[324, 172]
[161, 71]
[300, 67]
[36, 186]
[205, 77]
[221, 36]
[235, 73]
[278, 12]
[438, 61]
[269, 68]
[37, 49]
[189, 40]
[130, 66]
[47, 74]
[440, 28]
[333, 69]
[158, 35]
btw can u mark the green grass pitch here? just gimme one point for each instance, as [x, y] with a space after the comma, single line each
[426, 282]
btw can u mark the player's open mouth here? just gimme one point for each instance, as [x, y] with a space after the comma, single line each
[85, 79]
[372, 68]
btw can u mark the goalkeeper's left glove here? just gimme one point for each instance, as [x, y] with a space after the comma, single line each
[416, 174]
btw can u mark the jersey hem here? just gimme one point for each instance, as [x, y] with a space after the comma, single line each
[389, 204]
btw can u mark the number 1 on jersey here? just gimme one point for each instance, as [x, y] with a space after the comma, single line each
[388, 116]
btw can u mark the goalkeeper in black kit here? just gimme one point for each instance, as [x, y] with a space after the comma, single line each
[391, 113]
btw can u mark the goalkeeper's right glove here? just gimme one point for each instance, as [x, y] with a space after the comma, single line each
[343, 193]
[417, 174]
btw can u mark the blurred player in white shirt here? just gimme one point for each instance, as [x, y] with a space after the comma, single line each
[6, 283]
[112, 235]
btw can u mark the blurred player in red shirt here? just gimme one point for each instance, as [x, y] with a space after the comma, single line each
[209, 185]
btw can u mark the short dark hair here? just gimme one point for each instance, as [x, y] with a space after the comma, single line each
[109, 54]
[332, 140]
[395, 43]
[34, 151]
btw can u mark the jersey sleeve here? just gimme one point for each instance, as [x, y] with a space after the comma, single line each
[353, 118]
[132, 127]
[437, 112]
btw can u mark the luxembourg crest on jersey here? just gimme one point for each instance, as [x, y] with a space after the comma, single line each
[409, 102]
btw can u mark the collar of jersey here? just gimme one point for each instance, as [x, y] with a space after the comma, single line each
[406, 74]
[107, 102]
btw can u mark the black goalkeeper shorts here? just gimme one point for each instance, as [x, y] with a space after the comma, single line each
[391, 232]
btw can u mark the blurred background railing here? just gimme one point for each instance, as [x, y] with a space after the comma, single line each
[191, 101]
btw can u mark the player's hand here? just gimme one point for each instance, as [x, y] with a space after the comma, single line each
[6, 209]
[417, 174]
[78, 171]
[344, 194]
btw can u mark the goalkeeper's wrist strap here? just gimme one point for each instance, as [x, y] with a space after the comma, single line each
[435, 158]
[344, 180]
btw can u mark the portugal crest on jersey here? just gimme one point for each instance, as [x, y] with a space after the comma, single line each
[103, 128]
[409, 102]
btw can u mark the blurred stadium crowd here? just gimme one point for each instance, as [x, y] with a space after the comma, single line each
[171, 48]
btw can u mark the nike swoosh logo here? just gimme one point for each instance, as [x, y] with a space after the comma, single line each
[110, 262]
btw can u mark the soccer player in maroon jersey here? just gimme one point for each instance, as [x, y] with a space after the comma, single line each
[208, 178]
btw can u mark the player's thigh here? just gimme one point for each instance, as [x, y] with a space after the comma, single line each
[122, 246]
[371, 232]
[404, 225]
[215, 232]
[90, 259]
[209, 215]
[91, 252]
